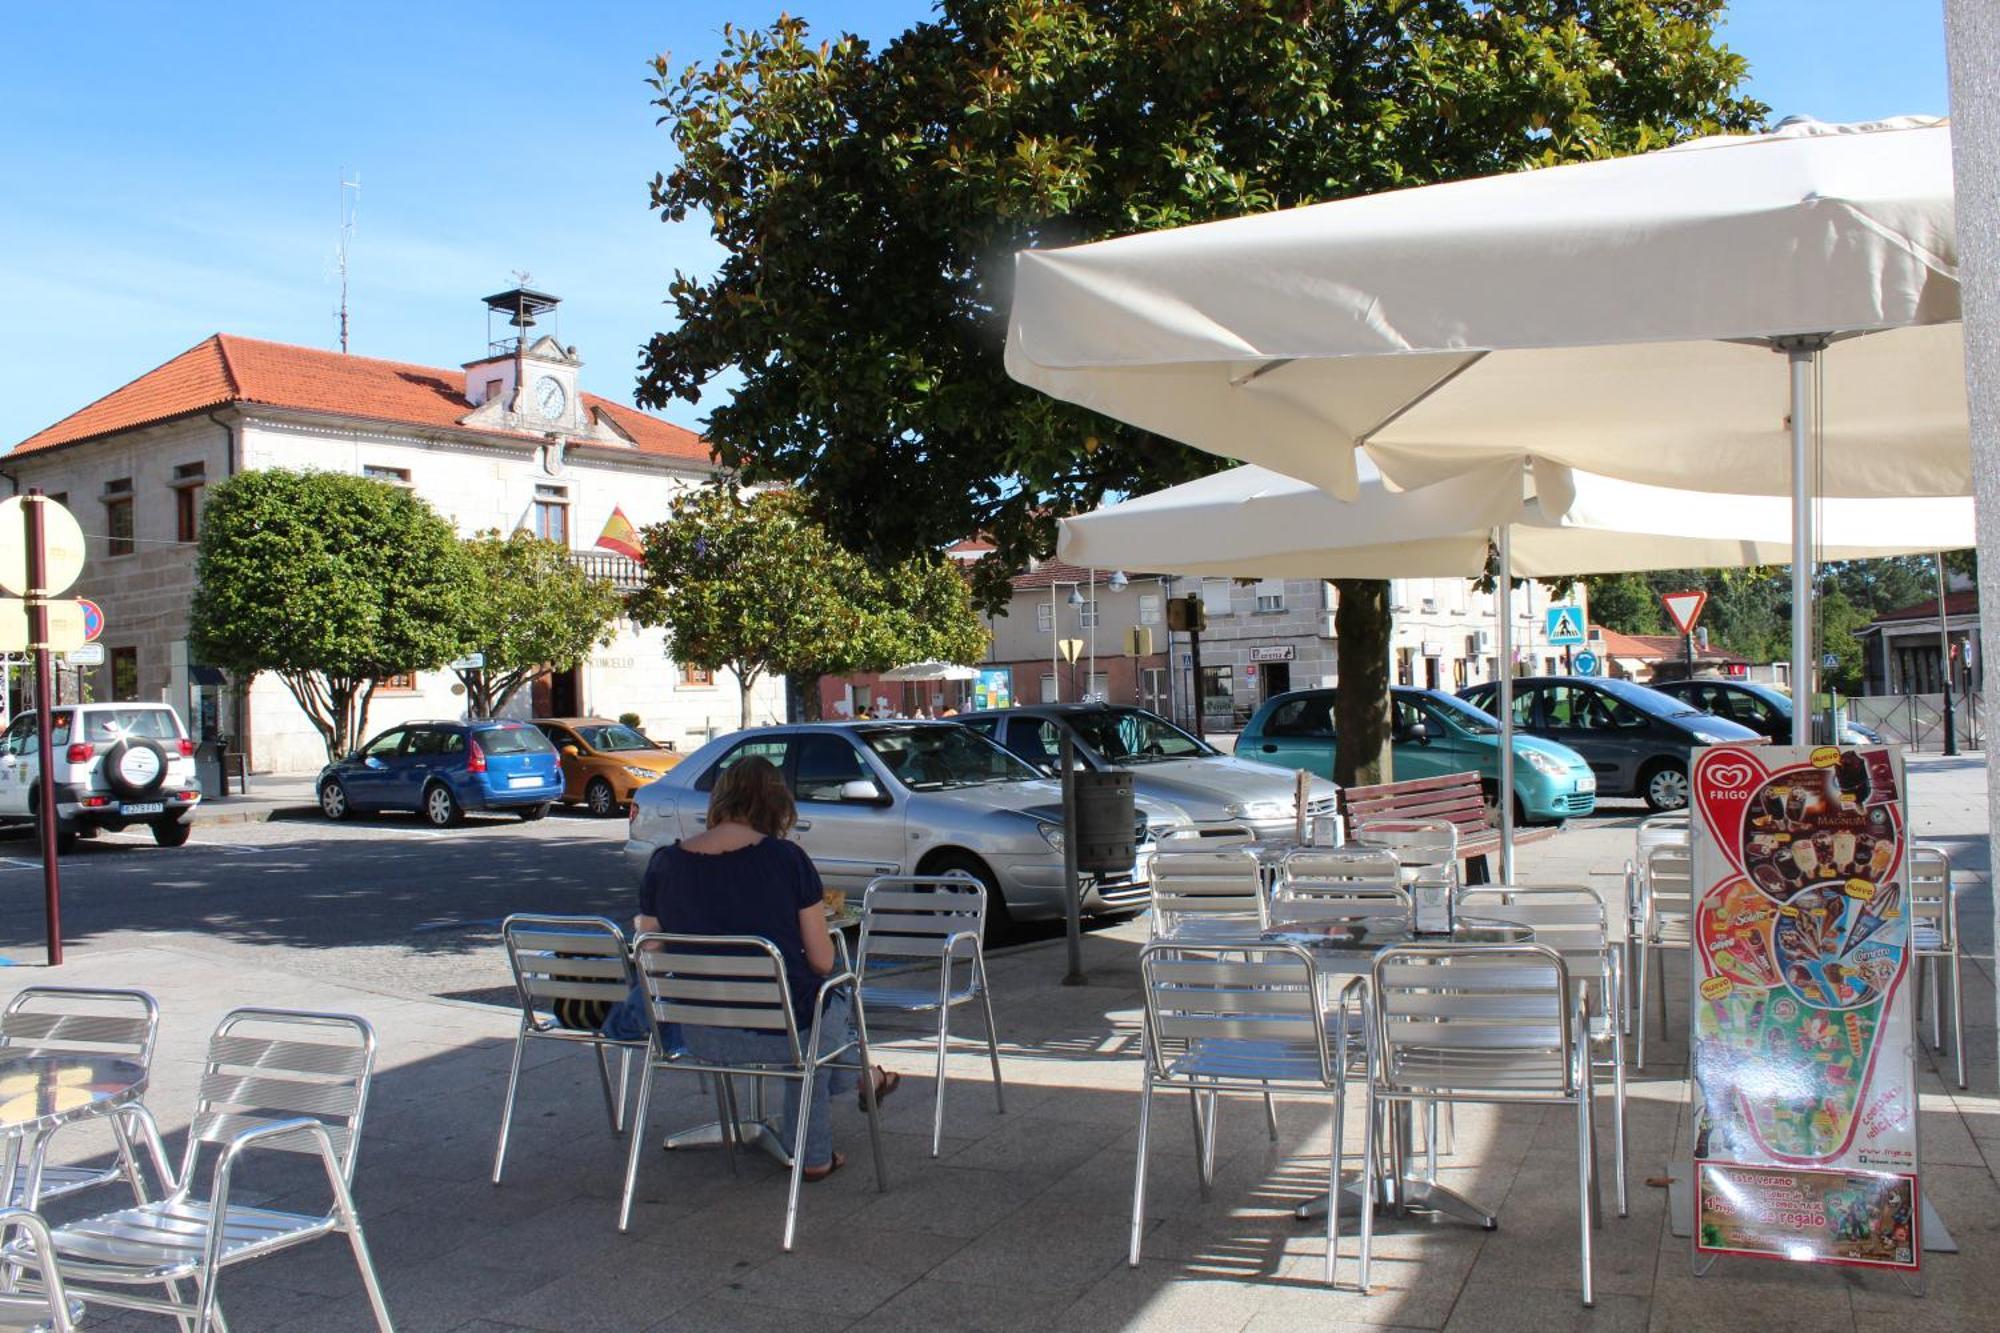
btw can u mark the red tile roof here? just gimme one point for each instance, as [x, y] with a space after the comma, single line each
[1057, 572]
[1656, 647]
[226, 369]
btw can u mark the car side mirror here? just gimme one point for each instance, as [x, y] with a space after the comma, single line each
[1421, 733]
[862, 792]
[568, 751]
[372, 762]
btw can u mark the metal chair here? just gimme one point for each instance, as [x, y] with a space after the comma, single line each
[738, 981]
[1570, 920]
[66, 1020]
[1238, 1019]
[48, 1308]
[276, 1080]
[575, 959]
[1934, 941]
[1416, 843]
[940, 918]
[1670, 830]
[1482, 1023]
[1311, 871]
[1207, 891]
[1665, 925]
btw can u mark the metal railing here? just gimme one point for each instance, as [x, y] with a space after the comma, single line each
[1917, 720]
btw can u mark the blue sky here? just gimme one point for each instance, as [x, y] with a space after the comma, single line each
[161, 180]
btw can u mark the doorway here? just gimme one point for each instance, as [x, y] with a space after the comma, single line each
[1276, 677]
[557, 694]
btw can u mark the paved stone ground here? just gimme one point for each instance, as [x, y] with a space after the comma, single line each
[1021, 1222]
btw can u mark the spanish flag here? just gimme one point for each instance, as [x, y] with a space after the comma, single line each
[619, 535]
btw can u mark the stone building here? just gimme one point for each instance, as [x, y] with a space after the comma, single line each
[507, 441]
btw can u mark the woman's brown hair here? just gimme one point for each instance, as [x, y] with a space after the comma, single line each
[752, 791]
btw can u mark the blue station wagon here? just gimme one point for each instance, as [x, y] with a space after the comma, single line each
[443, 769]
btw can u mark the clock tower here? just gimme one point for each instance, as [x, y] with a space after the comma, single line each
[525, 382]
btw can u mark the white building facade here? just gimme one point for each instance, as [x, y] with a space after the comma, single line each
[507, 442]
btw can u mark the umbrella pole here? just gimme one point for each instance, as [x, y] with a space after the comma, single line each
[1505, 796]
[1799, 352]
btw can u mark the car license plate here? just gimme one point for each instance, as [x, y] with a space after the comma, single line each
[530, 781]
[143, 808]
[1142, 870]
[1587, 783]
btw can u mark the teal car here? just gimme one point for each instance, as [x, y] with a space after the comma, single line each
[1433, 733]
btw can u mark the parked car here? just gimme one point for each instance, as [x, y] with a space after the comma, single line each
[1638, 741]
[907, 798]
[115, 765]
[1432, 733]
[604, 762]
[1766, 711]
[1219, 793]
[441, 769]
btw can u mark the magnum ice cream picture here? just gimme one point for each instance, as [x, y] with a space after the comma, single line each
[1805, 1132]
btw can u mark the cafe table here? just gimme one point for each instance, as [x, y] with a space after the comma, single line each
[1343, 951]
[41, 1093]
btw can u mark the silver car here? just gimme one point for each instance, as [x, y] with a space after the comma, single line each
[907, 798]
[1222, 794]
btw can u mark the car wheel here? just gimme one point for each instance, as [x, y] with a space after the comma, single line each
[1000, 925]
[1665, 787]
[599, 799]
[441, 808]
[530, 813]
[333, 801]
[172, 832]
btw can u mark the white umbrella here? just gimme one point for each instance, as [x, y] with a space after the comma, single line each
[1615, 316]
[931, 671]
[1250, 522]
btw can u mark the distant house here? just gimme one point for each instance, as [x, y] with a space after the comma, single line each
[1644, 658]
[1902, 650]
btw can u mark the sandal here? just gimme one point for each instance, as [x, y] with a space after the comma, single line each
[886, 1082]
[814, 1174]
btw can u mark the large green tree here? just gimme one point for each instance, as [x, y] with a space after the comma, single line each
[531, 609]
[329, 581]
[758, 587]
[868, 204]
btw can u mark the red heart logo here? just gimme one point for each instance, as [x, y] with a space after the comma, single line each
[1725, 778]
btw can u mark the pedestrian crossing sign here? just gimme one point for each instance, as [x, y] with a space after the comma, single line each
[1565, 626]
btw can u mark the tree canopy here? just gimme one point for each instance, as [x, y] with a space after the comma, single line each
[529, 609]
[757, 587]
[331, 582]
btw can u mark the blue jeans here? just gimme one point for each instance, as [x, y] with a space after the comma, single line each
[737, 1046]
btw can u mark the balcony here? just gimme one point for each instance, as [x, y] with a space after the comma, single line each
[620, 571]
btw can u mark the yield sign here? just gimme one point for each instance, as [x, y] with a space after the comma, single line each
[1685, 608]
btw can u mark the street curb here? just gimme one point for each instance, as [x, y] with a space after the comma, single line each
[211, 815]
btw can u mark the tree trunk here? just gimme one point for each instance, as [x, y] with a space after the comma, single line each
[1361, 701]
[745, 682]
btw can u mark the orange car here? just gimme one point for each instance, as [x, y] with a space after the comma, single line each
[604, 762]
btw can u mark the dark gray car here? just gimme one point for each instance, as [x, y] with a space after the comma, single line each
[1637, 741]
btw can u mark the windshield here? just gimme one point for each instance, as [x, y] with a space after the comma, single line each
[155, 724]
[614, 736]
[1649, 701]
[1464, 716]
[934, 758]
[1132, 736]
[511, 739]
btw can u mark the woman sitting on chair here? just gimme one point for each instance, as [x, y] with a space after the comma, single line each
[740, 876]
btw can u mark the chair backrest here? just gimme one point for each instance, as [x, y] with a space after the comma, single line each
[922, 917]
[1566, 918]
[1228, 883]
[1659, 831]
[1476, 1022]
[269, 1065]
[569, 960]
[1931, 901]
[50, 1308]
[1668, 882]
[67, 1020]
[1261, 997]
[1310, 871]
[1415, 842]
[718, 981]
[1193, 839]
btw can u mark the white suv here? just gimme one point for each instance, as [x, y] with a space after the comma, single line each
[115, 765]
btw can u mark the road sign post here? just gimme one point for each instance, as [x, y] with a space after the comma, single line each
[1685, 608]
[1564, 625]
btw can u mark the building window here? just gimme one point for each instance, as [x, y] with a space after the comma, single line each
[188, 479]
[118, 516]
[1406, 666]
[1218, 688]
[1270, 595]
[552, 513]
[398, 682]
[698, 677]
[1149, 608]
[1215, 597]
[1086, 615]
[394, 476]
[1049, 695]
[124, 674]
[493, 390]
[1045, 618]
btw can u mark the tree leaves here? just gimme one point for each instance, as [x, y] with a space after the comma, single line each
[529, 608]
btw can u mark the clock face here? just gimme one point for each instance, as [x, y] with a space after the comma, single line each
[550, 398]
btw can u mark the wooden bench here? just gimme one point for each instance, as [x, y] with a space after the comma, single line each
[1457, 798]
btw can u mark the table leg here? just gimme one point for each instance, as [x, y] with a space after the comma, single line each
[750, 1131]
[1409, 1192]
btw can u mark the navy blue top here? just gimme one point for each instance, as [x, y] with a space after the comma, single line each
[755, 890]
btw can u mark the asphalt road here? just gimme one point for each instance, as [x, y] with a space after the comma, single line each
[383, 902]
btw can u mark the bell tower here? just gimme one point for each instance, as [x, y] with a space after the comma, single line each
[530, 376]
